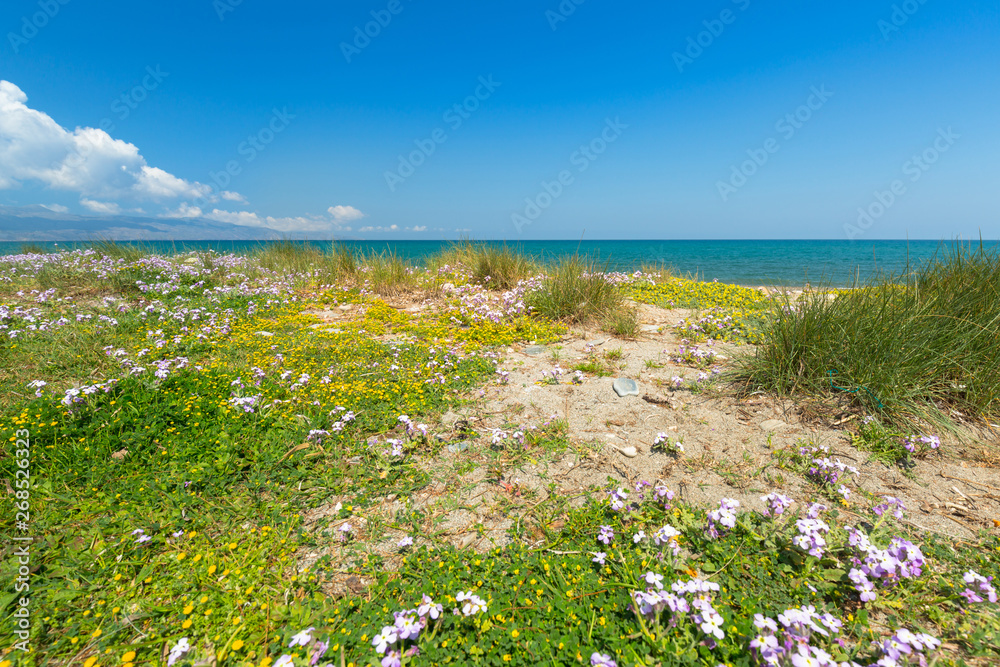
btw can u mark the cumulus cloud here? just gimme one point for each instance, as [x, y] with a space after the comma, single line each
[233, 196]
[391, 228]
[87, 160]
[185, 210]
[344, 213]
[417, 228]
[103, 207]
[291, 224]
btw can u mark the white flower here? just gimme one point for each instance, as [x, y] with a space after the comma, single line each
[302, 638]
[179, 650]
[382, 640]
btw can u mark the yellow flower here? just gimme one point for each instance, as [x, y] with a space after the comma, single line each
[237, 645]
[182, 555]
[204, 599]
[188, 609]
[211, 569]
[128, 657]
[96, 633]
[90, 661]
[186, 624]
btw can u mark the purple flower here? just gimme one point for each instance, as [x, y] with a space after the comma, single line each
[601, 660]
[724, 516]
[599, 557]
[606, 535]
[777, 504]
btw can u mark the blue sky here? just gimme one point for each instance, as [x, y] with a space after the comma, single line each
[652, 134]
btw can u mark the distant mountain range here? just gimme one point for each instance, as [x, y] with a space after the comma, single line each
[37, 223]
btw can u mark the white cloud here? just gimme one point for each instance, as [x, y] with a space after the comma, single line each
[294, 224]
[345, 213]
[233, 196]
[88, 161]
[391, 228]
[103, 207]
[56, 208]
[185, 210]
[236, 218]
[417, 228]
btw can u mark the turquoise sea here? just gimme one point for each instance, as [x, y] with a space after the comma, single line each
[785, 263]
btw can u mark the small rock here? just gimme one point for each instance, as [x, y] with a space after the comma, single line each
[535, 350]
[626, 387]
[346, 306]
[772, 425]
[265, 334]
[457, 447]
[467, 541]
[630, 452]
[120, 454]
[650, 328]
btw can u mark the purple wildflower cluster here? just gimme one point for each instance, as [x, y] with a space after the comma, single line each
[693, 354]
[399, 640]
[617, 499]
[812, 531]
[905, 648]
[601, 660]
[725, 516]
[248, 404]
[776, 504]
[984, 584]
[918, 444]
[792, 640]
[663, 443]
[895, 505]
[885, 567]
[76, 395]
[315, 648]
[667, 537]
[692, 597]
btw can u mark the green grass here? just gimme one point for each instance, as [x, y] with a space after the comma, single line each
[913, 349]
[494, 266]
[575, 291]
[176, 454]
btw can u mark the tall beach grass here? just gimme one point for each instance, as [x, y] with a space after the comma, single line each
[925, 345]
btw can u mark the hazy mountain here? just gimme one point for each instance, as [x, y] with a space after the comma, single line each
[37, 223]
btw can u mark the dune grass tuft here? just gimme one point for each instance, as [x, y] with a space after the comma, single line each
[924, 345]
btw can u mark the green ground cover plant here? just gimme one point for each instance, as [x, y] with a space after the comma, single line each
[185, 414]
